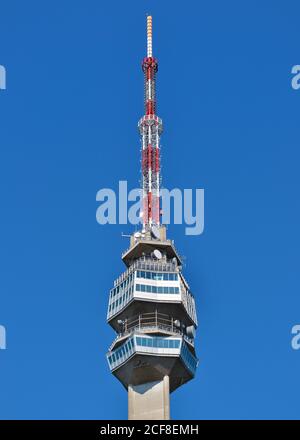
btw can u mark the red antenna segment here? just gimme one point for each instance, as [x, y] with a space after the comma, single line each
[150, 127]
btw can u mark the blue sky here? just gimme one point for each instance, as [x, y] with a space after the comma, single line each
[68, 128]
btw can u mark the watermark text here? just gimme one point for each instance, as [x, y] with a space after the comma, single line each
[296, 77]
[2, 77]
[2, 337]
[186, 207]
[296, 337]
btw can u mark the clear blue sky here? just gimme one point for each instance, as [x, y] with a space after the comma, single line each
[68, 128]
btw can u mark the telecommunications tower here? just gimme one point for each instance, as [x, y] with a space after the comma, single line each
[151, 307]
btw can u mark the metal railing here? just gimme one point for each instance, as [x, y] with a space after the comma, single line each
[151, 322]
[148, 263]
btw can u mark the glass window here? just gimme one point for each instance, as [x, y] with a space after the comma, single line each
[155, 342]
[176, 343]
[165, 276]
[149, 342]
[153, 289]
[148, 275]
[144, 342]
[160, 343]
[138, 341]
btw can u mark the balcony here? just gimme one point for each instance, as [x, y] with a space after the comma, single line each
[152, 346]
[153, 323]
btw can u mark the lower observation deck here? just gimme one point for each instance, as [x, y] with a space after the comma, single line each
[142, 356]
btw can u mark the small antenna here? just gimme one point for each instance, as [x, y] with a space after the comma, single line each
[125, 235]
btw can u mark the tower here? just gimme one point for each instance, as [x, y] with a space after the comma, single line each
[151, 307]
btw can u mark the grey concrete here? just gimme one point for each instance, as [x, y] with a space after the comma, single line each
[149, 401]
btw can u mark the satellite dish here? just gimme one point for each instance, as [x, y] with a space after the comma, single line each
[177, 323]
[157, 254]
[155, 232]
[190, 331]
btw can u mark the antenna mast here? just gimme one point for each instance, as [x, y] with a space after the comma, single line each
[150, 127]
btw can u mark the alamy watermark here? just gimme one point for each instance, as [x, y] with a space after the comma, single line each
[295, 342]
[2, 77]
[188, 207]
[296, 78]
[2, 337]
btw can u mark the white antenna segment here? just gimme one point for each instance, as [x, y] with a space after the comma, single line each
[149, 36]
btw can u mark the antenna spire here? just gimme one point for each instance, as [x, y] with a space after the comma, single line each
[149, 35]
[150, 126]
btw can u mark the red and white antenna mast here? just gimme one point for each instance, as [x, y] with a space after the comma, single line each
[150, 127]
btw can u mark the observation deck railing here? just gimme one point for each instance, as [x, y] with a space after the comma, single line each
[148, 263]
[151, 323]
